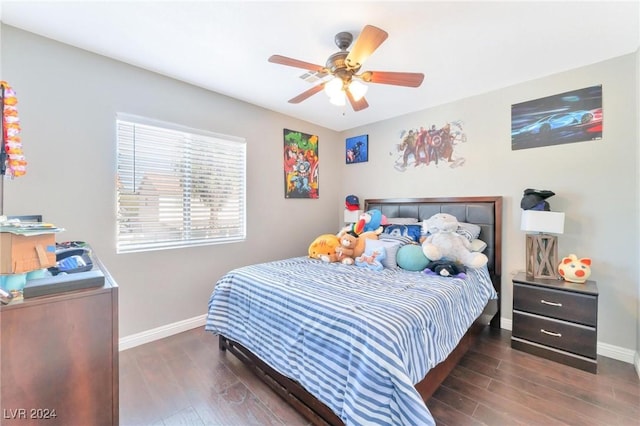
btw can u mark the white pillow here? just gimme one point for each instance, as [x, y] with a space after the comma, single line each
[401, 239]
[391, 248]
[470, 231]
[477, 245]
[401, 220]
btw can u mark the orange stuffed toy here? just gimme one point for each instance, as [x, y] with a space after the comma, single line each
[362, 240]
[575, 270]
[324, 248]
[347, 248]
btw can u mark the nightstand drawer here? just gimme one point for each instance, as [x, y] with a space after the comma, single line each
[569, 306]
[569, 337]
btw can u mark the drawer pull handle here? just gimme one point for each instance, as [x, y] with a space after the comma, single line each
[550, 303]
[550, 333]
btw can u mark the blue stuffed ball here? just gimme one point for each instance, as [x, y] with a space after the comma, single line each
[411, 258]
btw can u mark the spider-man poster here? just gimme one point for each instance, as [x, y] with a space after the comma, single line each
[357, 149]
[300, 165]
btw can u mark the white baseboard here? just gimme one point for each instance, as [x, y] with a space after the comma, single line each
[506, 324]
[616, 352]
[138, 339]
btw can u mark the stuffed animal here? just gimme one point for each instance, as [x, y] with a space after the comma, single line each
[347, 248]
[445, 268]
[445, 243]
[371, 220]
[575, 270]
[324, 248]
[362, 241]
[411, 258]
[372, 259]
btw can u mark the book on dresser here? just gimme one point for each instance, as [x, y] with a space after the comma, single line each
[557, 320]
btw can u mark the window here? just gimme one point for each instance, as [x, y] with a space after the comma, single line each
[177, 186]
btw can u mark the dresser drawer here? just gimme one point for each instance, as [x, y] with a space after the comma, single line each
[569, 337]
[564, 305]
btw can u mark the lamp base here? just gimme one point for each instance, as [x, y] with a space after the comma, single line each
[542, 256]
[352, 216]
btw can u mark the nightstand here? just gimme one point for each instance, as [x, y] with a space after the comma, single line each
[557, 320]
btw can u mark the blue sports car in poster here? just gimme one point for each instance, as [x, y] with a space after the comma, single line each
[568, 117]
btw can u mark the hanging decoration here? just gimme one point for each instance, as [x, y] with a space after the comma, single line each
[12, 161]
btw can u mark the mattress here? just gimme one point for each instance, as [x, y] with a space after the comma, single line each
[355, 338]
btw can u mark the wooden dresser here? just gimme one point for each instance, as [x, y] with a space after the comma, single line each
[557, 320]
[59, 358]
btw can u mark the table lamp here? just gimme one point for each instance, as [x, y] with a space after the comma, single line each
[542, 248]
[351, 216]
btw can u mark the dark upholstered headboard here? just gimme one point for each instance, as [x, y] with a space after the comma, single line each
[483, 211]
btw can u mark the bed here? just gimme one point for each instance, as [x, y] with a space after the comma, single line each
[346, 345]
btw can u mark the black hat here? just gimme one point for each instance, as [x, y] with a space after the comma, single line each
[534, 199]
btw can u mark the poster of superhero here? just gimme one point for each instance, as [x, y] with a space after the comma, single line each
[357, 149]
[300, 165]
[430, 147]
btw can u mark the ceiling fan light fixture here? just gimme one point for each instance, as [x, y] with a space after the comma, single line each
[333, 88]
[341, 68]
[358, 90]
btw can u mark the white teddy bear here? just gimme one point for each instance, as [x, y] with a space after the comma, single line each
[444, 242]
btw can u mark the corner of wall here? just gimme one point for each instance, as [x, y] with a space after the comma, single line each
[637, 357]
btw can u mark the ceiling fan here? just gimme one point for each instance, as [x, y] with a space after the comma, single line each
[344, 67]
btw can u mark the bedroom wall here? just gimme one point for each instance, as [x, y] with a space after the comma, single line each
[68, 100]
[69, 97]
[596, 183]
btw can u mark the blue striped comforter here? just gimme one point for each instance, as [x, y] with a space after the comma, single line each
[356, 339]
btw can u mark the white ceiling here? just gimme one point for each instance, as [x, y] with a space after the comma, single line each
[463, 48]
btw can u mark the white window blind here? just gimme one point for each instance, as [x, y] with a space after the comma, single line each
[177, 187]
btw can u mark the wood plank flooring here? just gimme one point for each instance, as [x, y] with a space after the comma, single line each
[186, 380]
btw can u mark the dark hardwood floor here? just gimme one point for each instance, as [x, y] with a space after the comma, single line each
[186, 380]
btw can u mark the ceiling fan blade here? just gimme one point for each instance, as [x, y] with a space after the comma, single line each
[306, 94]
[356, 105]
[409, 79]
[283, 60]
[368, 41]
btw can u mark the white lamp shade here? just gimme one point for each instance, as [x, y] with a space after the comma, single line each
[542, 221]
[352, 216]
[333, 87]
[357, 89]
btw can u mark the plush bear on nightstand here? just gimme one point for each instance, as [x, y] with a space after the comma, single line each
[445, 243]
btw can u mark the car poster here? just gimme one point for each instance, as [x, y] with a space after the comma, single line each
[569, 117]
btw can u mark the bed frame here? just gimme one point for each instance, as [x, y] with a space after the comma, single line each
[484, 211]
